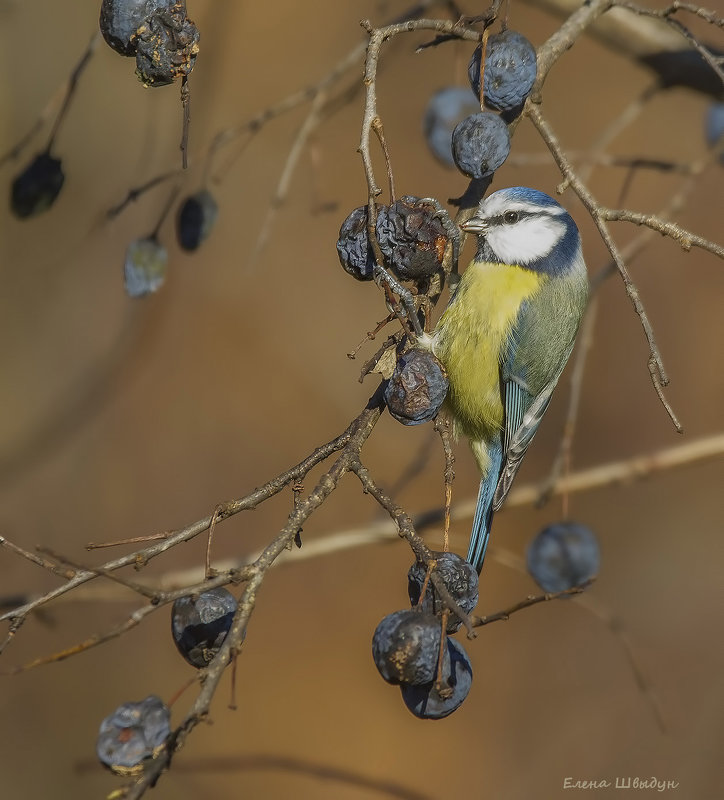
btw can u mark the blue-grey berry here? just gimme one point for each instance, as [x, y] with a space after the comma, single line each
[563, 555]
[36, 188]
[200, 624]
[480, 144]
[196, 217]
[353, 246]
[715, 126]
[445, 109]
[121, 19]
[406, 647]
[430, 702]
[417, 388]
[460, 579]
[510, 70]
[412, 238]
[144, 269]
[133, 733]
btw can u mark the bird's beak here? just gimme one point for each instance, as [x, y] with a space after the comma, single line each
[475, 225]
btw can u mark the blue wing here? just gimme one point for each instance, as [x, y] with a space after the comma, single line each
[537, 351]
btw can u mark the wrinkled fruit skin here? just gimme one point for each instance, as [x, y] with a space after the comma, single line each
[460, 579]
[133, 733]
[562, 556]
[426, 702]
[417, 388]
[121, 19]
[166, 47]
[36, 188]
[480, 144]
[355, 254]
[144, 270]
[445, 109]
[510, 70]
[412, 238]
[199, 626]
[406, 647]
[197, 216]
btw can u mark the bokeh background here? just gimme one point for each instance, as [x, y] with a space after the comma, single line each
[125, 417]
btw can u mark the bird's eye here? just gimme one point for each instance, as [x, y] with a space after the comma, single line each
[510, 217]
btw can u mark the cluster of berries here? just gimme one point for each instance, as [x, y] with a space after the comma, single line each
[146, 262]
[136, 732]
[413, 235]
[411, 649]
[163, 40]
[476, 141]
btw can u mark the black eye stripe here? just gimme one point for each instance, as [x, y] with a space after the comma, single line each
[499, 219]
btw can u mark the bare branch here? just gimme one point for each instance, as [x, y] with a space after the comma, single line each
[656, 365]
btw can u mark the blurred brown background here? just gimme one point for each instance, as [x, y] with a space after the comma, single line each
[125, 417]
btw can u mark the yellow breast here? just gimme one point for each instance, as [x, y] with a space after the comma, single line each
[470, 338]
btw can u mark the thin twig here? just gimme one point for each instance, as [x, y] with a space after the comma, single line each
[655, 362]
[442, 426]
[531, 600]
[71, 87]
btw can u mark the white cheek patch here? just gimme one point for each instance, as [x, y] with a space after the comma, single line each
[527, 240]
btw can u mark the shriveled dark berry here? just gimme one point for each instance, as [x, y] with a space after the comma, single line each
[562, 556]
[199, 624]
[121, 19]
[353, 246]
[429, 702]
[480, 144]
[36, 188]
[133, 733]
[445, 109]
[412, 238]
[406, 647]
[510, 70]
[145, 267]
[417, 388]
[166, 47]
[196, 217]
[460, 579]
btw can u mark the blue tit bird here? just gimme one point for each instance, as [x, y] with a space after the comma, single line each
[507, 333]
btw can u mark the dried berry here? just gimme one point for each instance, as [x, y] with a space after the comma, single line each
[417, 388]
[412, 238]
[510, 70]
[166, 47]
[445, 109]
[145, 266]
[562, 556]
[355, 254]
[406, 647]
[433, 701]
[199, 624]
[36, 188]
[121, 19]
[480, 144]
[197, 215]
[460, 579]
[133, 733]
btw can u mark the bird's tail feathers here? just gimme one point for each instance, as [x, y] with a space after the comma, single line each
[484, 510]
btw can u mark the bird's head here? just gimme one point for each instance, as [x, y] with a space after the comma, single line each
[523, 226]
